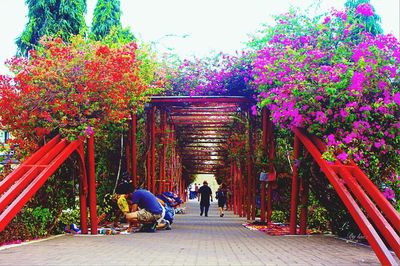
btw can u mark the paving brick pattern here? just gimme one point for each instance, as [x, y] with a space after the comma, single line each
[194, 240]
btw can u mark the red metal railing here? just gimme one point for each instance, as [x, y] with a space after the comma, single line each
[21, 185]
[346, 180]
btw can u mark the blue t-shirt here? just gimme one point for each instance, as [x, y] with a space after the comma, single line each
[146, 200]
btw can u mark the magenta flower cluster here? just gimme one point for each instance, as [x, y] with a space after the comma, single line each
[341, 88]
[332, 78]
[220, 75]
[365, 10]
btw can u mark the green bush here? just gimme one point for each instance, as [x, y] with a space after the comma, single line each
[279, 216]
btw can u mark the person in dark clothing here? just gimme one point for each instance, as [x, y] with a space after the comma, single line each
[205, 195]
[221, 197]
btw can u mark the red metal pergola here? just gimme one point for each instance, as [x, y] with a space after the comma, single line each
[198, 128]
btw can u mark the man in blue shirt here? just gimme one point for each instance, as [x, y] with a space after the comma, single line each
[146, 208]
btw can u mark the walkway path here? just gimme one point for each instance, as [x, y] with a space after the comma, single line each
[194, 240]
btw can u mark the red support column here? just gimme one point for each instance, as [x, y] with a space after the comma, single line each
[253, 178]
[92, 185]
[250, 189]
[271, 156]
[128, 146]
[264, 152]
[231, 184]
[295, 189]
[241, 194]
[134, 149]
[304, 205]
[83, 192]
[234, 187]
[153, 150]
[164, 151]
[148, 147]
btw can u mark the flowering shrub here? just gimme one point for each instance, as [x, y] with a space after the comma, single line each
[219, 75]
[365, 10]
[341, 86]
[75, 89]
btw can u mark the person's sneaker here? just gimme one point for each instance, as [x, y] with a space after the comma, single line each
[221, 215]
[206, 215]
[201, 214]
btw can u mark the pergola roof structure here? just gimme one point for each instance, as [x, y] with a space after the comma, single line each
[202, 127]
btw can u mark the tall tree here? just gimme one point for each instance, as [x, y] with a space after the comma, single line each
[364, 13]
[106, 16]
[62, 18]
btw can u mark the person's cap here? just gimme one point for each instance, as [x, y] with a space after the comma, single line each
[205, 182]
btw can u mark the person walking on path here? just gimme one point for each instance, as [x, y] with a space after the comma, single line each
[205, 195]
[221, 197]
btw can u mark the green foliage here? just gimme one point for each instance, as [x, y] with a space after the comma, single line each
[107, 20]
[52, 18]
[372, 23]
[37, 220]
[290, 23]
[117, 37]
[318, 218]
[279, 216]
[68, 217]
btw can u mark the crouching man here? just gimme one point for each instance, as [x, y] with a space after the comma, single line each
[146, 209]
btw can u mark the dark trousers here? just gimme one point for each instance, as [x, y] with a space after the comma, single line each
[204, 208]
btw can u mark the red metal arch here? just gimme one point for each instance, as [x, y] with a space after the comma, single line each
[20, 186]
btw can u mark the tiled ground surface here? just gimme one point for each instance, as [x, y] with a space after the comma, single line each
[194, 240]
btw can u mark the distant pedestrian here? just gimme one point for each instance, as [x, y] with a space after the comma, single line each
[191, 191]
[221, 197]
[205, 195]
[196, 190]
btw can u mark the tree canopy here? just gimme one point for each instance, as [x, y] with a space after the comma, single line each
[60, 18]
[107, 19]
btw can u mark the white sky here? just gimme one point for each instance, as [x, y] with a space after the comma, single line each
[209, 25]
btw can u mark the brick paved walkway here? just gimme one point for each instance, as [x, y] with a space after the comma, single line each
[194, 240]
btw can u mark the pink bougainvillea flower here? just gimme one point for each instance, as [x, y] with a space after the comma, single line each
[343, 157]
[365, 10]
[388, 193]
[331, 140]
[89, 131]
[254, 110]
[396, 98]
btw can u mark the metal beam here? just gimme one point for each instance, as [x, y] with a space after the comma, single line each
[156, 100]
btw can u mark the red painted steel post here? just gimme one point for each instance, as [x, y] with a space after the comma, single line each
[134, 149]
[164, 156]
[83, 199]
[148, 147]
[92, 185]
[240, 192]
[271, 157]
[234, 188]
[264, 152]
[230, 194]
[295, 189]
[248, 166]
[153, 150]
[161, 169]
[128, 146]
[241, 189]
[251, 165]
[304, 205]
